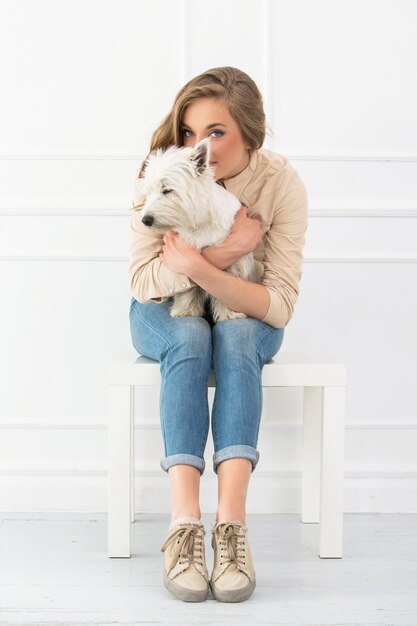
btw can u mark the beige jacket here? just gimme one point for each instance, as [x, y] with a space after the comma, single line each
[273, 191]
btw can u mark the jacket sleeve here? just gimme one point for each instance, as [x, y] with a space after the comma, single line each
[149, 278]
[284, 244]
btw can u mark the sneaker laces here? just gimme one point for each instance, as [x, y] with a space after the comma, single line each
[188, 545]
[232, 542]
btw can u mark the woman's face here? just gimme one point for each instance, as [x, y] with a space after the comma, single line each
[208, 117]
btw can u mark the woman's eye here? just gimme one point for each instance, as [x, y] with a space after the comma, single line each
[190, 131]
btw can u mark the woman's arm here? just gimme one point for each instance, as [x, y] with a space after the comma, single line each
[272, 301]
[246, 235]
[238, 294]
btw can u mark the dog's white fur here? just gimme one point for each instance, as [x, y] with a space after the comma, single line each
[182, 195]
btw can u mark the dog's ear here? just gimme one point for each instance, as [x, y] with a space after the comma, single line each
[201, 155]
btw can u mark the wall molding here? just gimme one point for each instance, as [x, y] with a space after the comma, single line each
[292, 156]
[346, 257]
[105, 208]
[405, 424]
[54, 472]
[362, 212]
[112, 256]
[391, 158]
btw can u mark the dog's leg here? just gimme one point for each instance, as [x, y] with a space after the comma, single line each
[242, 268]
[188, 303]
[221, 312]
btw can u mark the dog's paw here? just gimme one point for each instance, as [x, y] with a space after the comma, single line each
[180, 313]
[228, 314]
[222, 313]
[187, 304]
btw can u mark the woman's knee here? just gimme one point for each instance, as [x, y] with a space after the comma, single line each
[191, 335]
[238, 335]
[154, 330]
[248, 336]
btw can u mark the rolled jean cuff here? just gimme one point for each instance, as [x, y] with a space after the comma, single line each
[232, 452]
[183, 459]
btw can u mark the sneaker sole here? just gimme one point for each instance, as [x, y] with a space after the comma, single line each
[187, 595]
[233, 595]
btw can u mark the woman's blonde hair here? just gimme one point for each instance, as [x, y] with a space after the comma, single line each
[229, 85]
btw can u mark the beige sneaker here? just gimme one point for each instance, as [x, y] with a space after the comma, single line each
[185, 570]
[233, 577]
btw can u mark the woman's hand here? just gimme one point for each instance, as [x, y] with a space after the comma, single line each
[178, 255]
[247, 232]
[245, 236]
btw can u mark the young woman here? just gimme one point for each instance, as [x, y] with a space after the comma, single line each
[224, 104]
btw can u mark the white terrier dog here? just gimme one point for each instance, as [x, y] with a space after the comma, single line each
[182, 195]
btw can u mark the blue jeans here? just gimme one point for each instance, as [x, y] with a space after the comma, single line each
[186, 348]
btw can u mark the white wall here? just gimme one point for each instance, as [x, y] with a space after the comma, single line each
[84, 84]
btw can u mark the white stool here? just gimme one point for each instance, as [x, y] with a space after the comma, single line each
[324, 385]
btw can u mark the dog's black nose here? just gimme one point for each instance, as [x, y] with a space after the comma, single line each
[148, 220]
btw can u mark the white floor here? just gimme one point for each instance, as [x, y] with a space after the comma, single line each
[54, 570]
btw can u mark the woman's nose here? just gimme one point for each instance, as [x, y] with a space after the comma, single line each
[199, 138]
[193, 141]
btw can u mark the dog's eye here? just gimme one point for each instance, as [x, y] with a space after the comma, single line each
[164, 191]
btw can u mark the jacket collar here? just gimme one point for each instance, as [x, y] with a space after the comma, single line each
[236, 184]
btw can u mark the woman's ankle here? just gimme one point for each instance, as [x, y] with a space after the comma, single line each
[184, 520]
[180, 514]
[229, 516]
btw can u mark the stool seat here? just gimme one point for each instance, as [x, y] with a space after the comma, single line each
[324, 383]
[289, 370]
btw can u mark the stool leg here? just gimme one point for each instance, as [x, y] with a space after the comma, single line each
[332, 472]
[312, 415]
[119, 470]
[132, 453]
